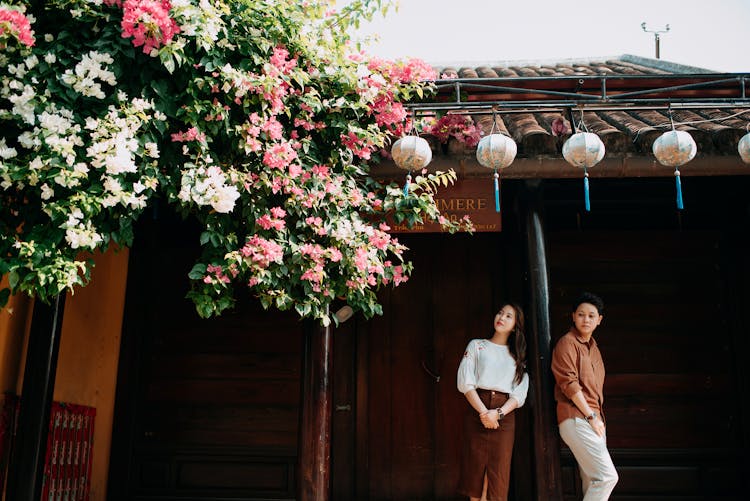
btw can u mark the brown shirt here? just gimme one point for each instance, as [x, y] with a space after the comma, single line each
[577, 366]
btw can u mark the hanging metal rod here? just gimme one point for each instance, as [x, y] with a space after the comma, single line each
[600, 88]
[488, 107]
[492, 111]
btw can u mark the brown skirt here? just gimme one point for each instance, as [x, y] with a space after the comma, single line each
[487, 451]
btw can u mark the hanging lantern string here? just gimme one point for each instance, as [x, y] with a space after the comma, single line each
[672, 124]
[582, 123]
[496, 176]
[677, 181]
[671, 120]
[586, 198]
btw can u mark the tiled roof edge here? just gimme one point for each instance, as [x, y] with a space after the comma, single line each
[661, 64]
[506, 63]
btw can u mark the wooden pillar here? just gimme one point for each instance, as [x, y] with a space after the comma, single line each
[546, 440]
[26, 468]
[314, 444]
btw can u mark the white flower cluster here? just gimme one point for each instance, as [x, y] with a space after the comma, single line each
[349, 229]
[202, 22]
[84, 78]
[12, 88]
[114, 148]
[57, 131]
[6, 153]
[80, 233]
[207, 185]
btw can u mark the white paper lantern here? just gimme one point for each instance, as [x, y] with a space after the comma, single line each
[411, 153]
[583, 149]
[496, 151]
[674, 148]
[744, 148]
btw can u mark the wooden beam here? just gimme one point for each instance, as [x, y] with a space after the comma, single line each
[546, 441]
[26, 468]
[314, 444]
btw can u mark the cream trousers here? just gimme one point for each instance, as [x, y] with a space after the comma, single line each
[590, 450]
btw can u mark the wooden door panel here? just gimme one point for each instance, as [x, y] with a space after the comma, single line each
[212, 405]
[414, 410]
[667, 362]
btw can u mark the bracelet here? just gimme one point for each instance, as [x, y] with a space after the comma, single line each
[500, 414]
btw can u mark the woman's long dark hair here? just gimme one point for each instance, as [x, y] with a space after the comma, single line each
[517, 341]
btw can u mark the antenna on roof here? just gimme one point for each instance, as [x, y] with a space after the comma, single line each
[656, 35]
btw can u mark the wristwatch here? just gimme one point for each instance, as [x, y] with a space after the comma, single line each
[591, 416]
[500, 414]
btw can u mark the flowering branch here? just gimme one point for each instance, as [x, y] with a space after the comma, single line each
[253, 117]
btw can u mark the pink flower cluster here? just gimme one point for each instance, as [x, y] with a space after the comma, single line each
[379, 238]
[318, 254]
[389, 113]
[148, 23]
[280, 62]
[360, 147]
[398, 275]
[273, 220]
[275, 94]
[16, 24]
[192, 134]
[461, 127]
[262, 252]
[215, 273]
[411, 71]
[279, 156]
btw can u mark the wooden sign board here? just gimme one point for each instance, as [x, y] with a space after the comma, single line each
[474, 197]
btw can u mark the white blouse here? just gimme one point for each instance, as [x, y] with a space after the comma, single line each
[490, 366]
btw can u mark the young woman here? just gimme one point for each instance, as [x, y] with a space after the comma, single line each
[579, 373]
[492, 378]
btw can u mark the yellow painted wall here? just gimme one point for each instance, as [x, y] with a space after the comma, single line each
[89, 352]
[15, 319]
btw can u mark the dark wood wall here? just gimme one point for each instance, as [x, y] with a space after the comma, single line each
[671, 333]
[209, 409]
[409, 413]
[206, 409]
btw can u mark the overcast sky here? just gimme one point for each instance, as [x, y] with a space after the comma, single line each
[711, 34]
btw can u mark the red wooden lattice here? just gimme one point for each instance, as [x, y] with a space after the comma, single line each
[67, 466]
[67, 470]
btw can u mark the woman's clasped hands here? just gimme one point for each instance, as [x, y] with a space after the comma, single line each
[490, 419]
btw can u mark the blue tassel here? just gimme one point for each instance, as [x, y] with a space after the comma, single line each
[586, 192]
[497, 195]
[680, 205]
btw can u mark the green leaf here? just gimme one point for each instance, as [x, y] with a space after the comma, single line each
[198, 271]
[13, 279]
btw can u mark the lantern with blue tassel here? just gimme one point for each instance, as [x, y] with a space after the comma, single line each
[743, 147]
[496, 151]
[674, 149]
[584, 150]
[411, 153]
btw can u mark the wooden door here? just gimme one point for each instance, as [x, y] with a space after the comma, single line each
[408, 411]
[671, 333]
[206, 409]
